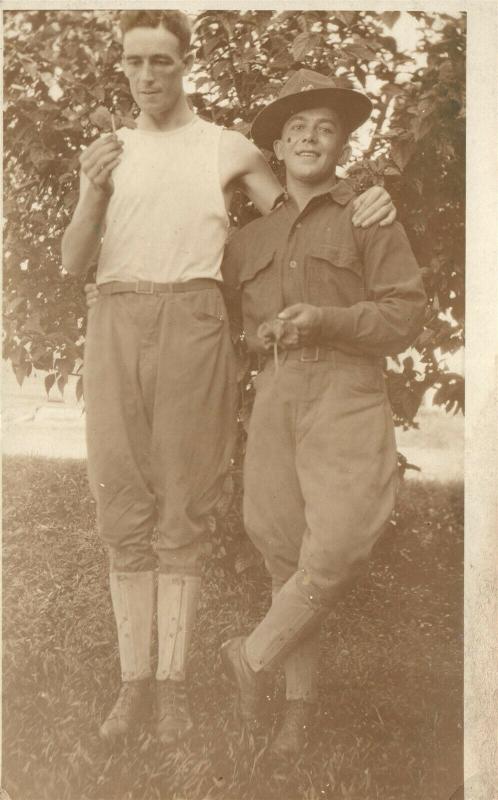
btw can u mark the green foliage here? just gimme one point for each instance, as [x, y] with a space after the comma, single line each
[62, 77]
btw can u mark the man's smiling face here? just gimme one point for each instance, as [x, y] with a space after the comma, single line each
[311, 144]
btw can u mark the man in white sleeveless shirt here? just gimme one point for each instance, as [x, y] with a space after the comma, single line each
[160, 376]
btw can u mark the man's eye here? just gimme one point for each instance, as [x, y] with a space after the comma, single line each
[326, 129]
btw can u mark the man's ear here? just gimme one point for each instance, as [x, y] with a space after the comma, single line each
[345, 154]
[188, 60]
[277, 149]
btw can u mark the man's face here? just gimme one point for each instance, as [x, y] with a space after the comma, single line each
[154, 66]
[311, 144]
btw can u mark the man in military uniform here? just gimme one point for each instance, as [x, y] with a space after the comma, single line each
[320, 470]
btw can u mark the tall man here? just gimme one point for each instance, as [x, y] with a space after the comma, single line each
[160, 388]
[320, 466]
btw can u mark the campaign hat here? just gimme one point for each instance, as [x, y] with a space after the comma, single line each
[308, 89]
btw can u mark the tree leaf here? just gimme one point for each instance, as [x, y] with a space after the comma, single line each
[61, 383]
[20, 371]
[211, 44]
[402, 151]
[219, 69]
[14, 305]
[79, 388]
[346, 17]
[33, 325]
[49, 382]
[360, 51]
[304, 43]
[101, 117]
[390, 17]
[421, 126]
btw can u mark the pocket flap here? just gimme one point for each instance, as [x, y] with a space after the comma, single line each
[338, 256]
[257, 263]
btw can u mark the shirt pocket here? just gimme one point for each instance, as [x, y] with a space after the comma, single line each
[334, 276]
[258, 268]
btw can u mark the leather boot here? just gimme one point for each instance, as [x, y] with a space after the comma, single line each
[249, 683]
[132, 707]
[293, 732]
[174, 720]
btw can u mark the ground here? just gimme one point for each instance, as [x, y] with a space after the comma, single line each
[389, 726]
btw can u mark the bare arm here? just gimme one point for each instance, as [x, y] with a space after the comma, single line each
[83, 234]
[244, 167]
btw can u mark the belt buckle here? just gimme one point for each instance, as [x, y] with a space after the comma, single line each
[144, 287]
[315, 355]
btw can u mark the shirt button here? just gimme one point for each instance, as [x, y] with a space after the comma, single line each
[299, 225]
[293, 264]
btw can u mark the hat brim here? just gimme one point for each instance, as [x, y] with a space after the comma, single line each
[354, 108]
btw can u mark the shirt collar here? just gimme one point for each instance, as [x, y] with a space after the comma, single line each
[280, 199]
[341, 193]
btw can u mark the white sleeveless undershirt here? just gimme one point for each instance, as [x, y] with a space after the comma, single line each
[166, 220]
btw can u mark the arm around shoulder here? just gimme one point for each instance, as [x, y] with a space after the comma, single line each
[249, 171]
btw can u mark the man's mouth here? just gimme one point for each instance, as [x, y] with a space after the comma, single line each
[307, 154]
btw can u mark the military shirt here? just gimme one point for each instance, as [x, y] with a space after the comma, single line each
[366, 280]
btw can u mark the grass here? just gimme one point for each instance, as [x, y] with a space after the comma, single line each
[389, 725]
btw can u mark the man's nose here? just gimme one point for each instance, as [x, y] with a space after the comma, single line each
[146, 73]
[309, 135]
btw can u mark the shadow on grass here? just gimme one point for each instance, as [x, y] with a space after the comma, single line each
[389, 726]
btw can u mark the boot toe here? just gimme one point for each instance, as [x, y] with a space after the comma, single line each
[248, 683]
[130, 709]
[174, 720]
[292, 735]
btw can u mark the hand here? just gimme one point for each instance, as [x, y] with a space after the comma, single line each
[92, 294]
[99, 160]
[373, 205]
[279, 332]
[307, 319]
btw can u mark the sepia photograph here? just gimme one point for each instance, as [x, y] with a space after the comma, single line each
[233, 403]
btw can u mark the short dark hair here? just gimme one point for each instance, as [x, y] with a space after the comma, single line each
[174, 21]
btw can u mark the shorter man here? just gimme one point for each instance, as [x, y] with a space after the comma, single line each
[320, 467]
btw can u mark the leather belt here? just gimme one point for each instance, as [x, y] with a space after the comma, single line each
[313, 353]
[150, 287]
[316, 353]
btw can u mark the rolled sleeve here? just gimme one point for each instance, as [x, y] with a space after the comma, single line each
[391, 316]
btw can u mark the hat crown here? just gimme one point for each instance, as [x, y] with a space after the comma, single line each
[306, 80]
[309, 89]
